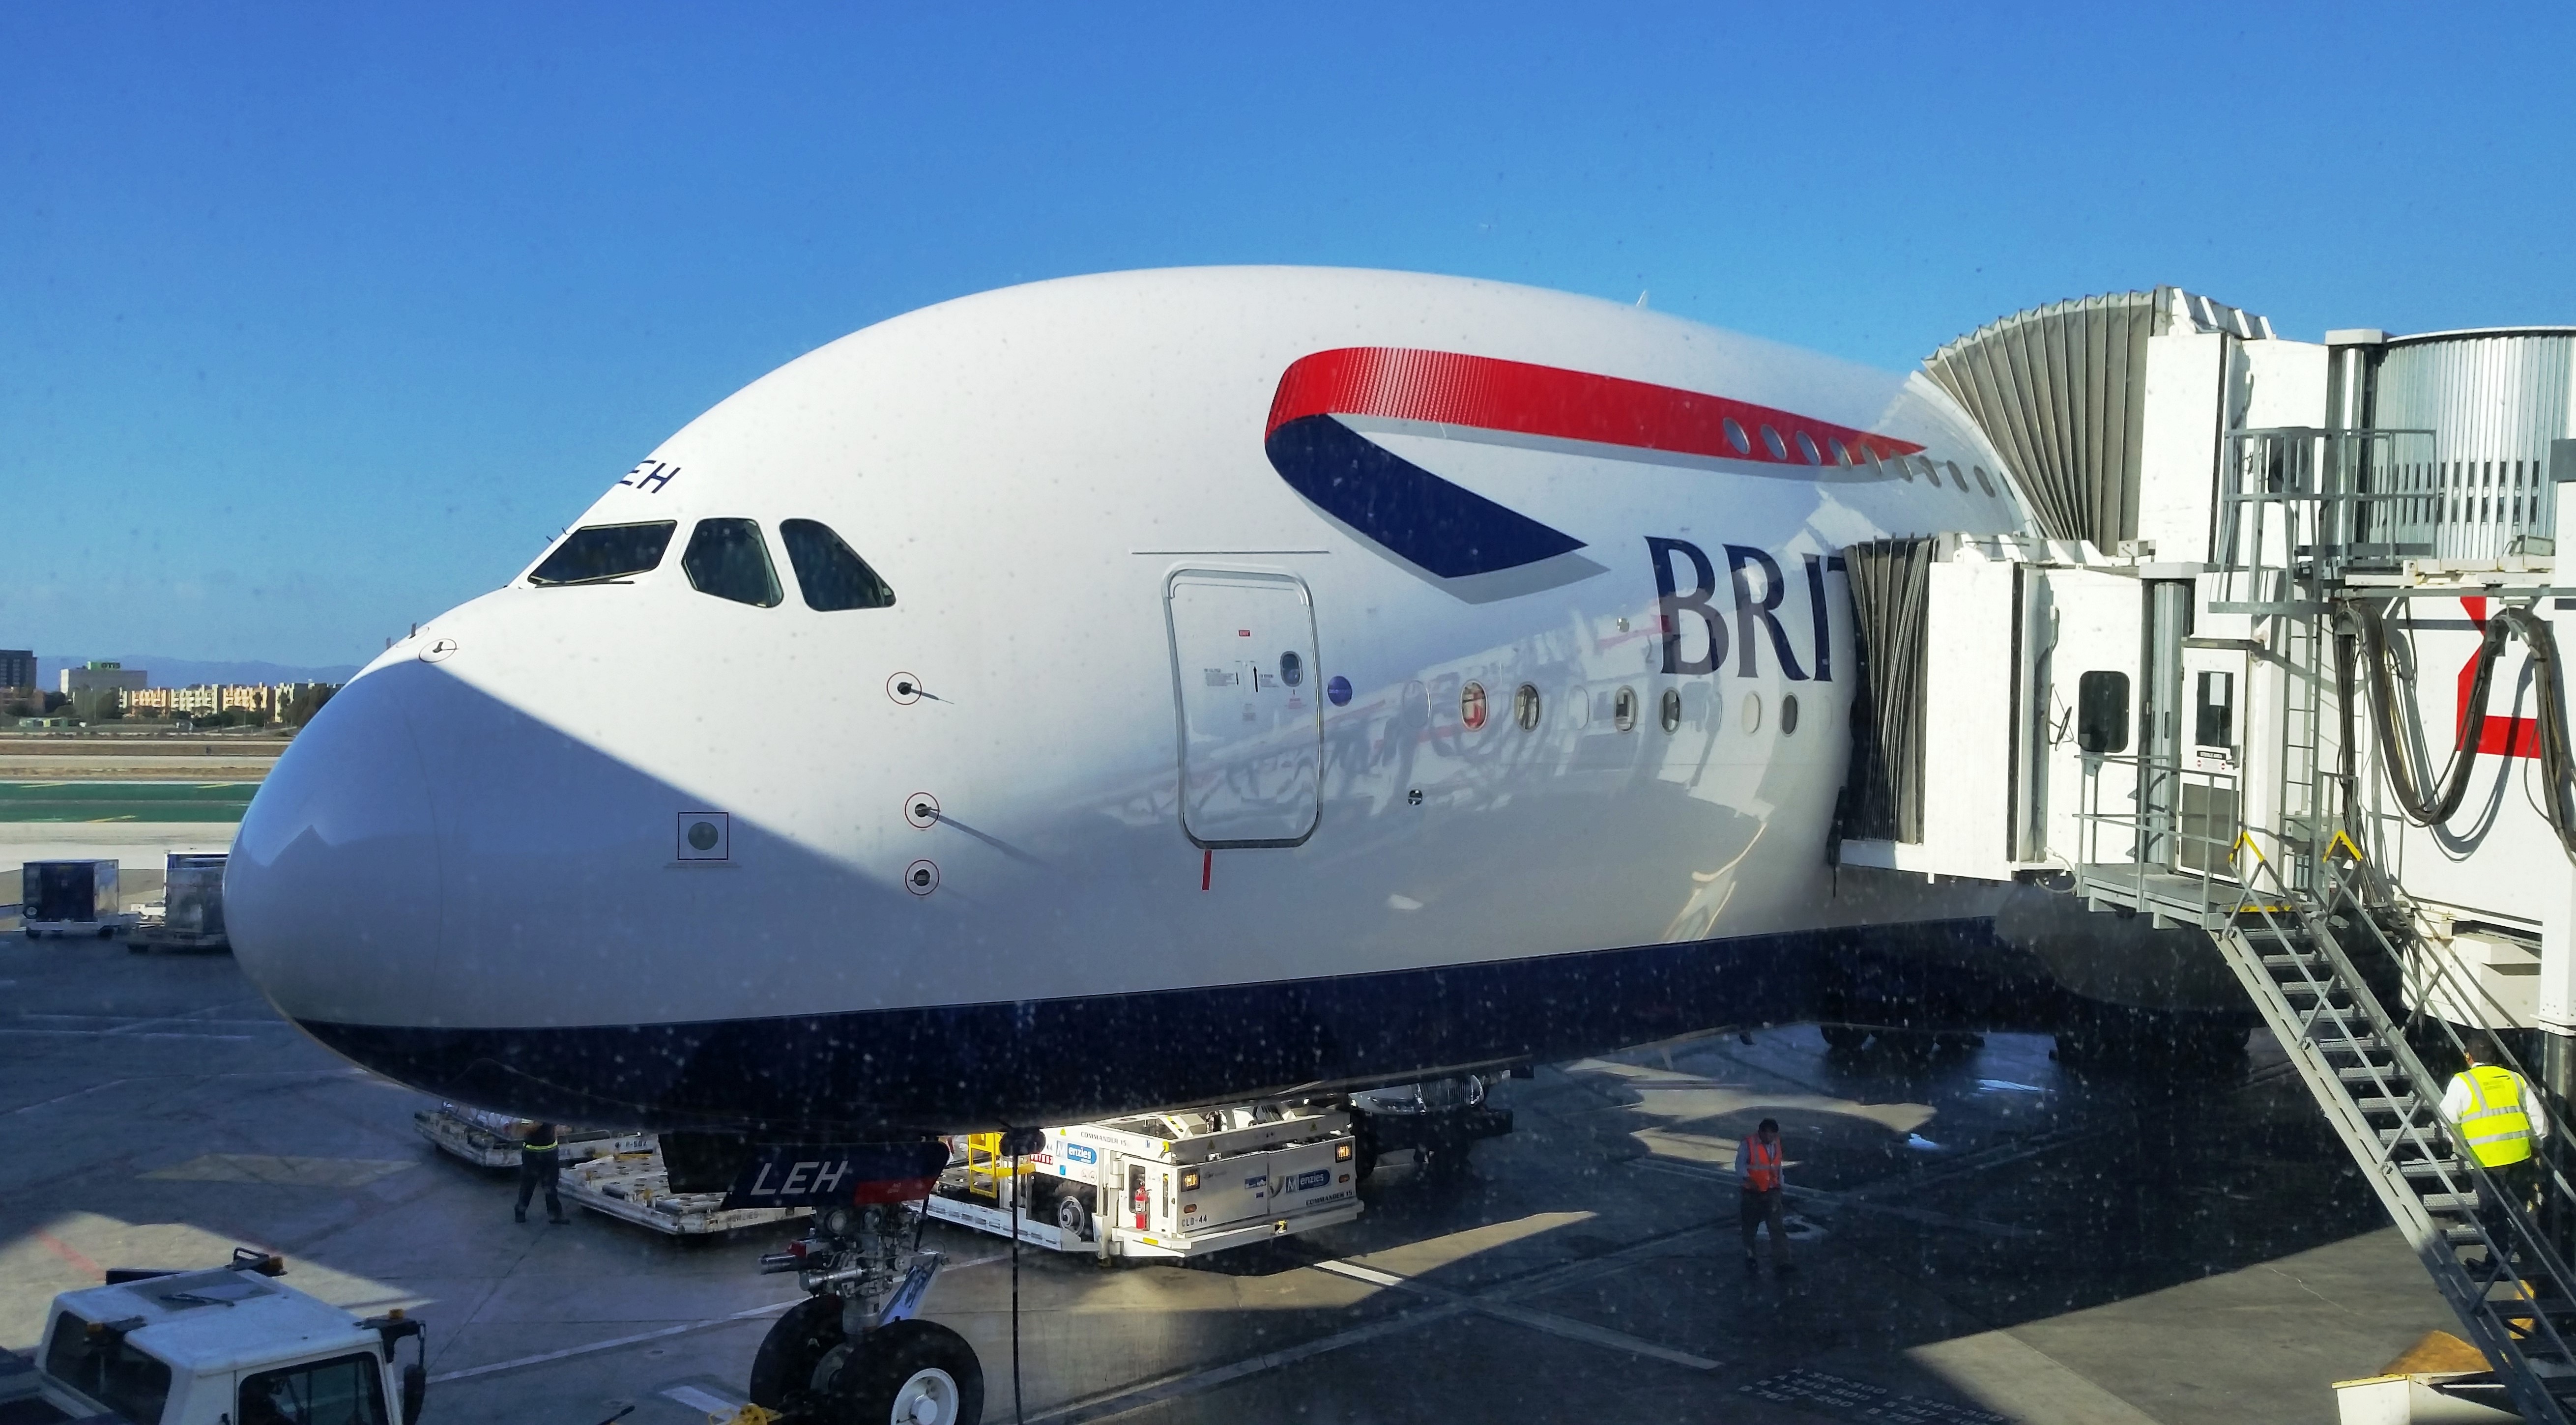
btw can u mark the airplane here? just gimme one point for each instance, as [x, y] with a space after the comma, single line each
[1127, 691]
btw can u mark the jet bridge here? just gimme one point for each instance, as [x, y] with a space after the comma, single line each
[2279, 663]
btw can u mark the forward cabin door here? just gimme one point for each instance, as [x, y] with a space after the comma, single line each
[1247, 699]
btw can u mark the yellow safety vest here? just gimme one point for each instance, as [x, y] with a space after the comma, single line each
[2495, 1126]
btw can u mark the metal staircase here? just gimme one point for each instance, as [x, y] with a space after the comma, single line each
[2494, 1259]
[2317, 935]
[2489, 1255]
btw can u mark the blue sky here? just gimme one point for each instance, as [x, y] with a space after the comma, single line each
[315, 320]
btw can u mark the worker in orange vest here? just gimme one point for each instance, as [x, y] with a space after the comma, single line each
[1757, 1167]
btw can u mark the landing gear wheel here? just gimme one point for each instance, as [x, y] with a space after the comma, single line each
[1073, 1216]
[911, 1373]
[107, 932]
[1843, 1037]
[782, 1373]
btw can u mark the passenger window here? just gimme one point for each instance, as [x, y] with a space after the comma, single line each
[1623, 709]
[597, 553]
[1983, 483]
[2102, 712]
[831, 576]
[726, 558]
[107, 1370]
[1736, 437]
[345, 1390]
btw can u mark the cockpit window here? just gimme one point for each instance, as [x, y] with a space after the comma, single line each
[831, 576]
[726, 558]
[599, 552]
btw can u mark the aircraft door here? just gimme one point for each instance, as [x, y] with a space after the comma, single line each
[2217, 674]
[2089, 673]
[1248, 702]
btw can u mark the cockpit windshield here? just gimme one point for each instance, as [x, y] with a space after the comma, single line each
[830, 573]
[727, 559]
[597, 553]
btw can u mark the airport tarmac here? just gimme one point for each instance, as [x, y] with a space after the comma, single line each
[1983, 1236]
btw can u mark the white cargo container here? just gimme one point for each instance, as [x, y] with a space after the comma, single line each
[1163, 1185]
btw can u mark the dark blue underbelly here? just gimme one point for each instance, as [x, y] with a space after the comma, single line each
[962, 1067]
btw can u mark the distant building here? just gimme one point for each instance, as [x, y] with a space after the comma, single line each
[102, 677]
[17, 668]
[269, 701]
[97, 690]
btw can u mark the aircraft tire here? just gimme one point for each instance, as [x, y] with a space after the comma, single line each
[782, 1372]
[1843, 1038]
[895, 1371]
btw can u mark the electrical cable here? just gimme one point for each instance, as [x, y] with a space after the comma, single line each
[2431, 806]
[2557, 764]
[2425, 806]
[1017, 1417]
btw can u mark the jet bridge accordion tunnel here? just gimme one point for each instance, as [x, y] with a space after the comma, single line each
[2276, 599]
[2275, 672]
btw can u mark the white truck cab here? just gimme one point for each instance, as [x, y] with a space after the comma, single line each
[227, 1346]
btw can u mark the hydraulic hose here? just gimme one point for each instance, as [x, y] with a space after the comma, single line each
[2431, 806]
[2426, 806]
[2557, 766]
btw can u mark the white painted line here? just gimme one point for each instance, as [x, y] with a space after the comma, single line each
[1832, 1201]
[700, 1401]
[1498, 1306]
[76, 1093]
[612, 1343]
[1152, 1393]
[103, 1033]
[1573, 1330]
[1360, 1273]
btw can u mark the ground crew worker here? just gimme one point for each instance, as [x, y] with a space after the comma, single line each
[539, 1167]
[2496, 1119]
[1757, 1167]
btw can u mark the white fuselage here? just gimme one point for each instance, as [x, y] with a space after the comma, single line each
[483, 840]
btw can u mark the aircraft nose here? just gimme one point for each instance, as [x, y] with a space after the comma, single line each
[332, 893]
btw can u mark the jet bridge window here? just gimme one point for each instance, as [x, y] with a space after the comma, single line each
[2102, 712]
[726, 558]
[830, 574]
[2214, 722]
[345, 1390]
[595, 554]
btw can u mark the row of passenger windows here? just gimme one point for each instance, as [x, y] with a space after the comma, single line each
[1622, 709]
[1835, 452]
[727, 558]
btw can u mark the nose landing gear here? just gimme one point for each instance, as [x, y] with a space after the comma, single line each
[852, 1353]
